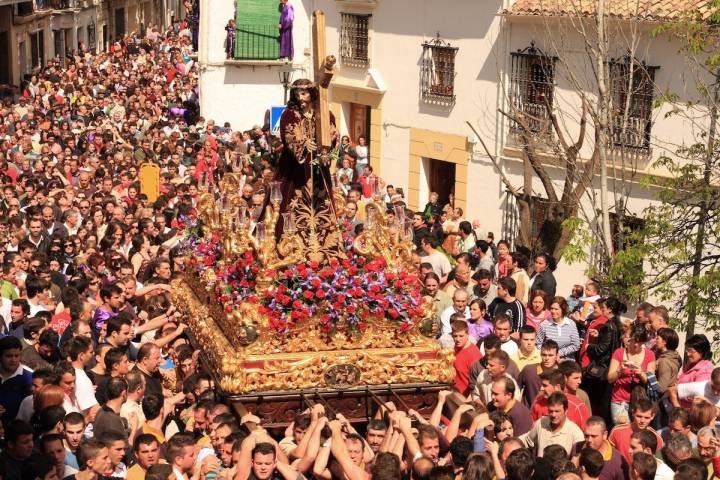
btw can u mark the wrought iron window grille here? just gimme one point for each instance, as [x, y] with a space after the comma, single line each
[438, 71]
[632, 103]
[355, 39]
[532, 91]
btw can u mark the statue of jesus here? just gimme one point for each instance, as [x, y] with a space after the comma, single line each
[305, 178]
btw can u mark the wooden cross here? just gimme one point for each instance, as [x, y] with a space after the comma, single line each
[324, 70]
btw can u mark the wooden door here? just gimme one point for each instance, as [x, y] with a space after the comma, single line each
[359, 118]
[4, 58]
[442, 179]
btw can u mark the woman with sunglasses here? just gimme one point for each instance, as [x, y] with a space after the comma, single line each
[92, 291]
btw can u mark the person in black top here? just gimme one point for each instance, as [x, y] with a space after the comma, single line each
[18, 449]
[506, 303]
[543, 278]
[148, 363]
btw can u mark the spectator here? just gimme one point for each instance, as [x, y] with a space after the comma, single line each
[614, 465]
[629, 366]
[16, 379]
[643, 413]
[698, 366]
[543, 278]
[553, 429]
[560, 329]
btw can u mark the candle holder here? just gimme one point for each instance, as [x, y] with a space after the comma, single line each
[381, 238]
[275, 193]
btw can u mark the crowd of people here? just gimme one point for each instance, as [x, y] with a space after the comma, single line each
[98, 379]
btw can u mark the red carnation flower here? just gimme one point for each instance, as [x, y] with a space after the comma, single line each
[393, 313]
[315, 282]
[320, 294]
[308, 294]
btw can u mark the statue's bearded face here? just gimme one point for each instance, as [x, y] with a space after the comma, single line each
[303, 95]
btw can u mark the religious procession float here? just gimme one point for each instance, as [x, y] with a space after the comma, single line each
[287, 306]
[281, 319]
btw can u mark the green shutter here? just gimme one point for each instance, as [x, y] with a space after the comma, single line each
[257, 35]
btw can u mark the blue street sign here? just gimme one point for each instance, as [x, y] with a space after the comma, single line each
[275, 113]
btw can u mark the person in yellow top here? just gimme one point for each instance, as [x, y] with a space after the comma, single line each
[528, 353]
[147, 453]
[152, 406]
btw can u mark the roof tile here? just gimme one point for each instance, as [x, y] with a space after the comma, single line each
[655, 10]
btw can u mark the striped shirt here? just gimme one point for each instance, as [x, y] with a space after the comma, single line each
[565, 334]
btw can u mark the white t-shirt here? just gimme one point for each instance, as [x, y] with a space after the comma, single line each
[698, 389]
[35, 309]
[84, 390]
[70, 404]
[27, 408]
[663, 472]
[509, 347]
[440, 263]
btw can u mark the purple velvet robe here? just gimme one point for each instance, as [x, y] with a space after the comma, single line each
[286, 39]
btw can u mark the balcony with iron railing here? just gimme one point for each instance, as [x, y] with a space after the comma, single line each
[63, 4]
[257, 42]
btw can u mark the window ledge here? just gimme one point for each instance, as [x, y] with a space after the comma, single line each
[257, 63]
[358, 3]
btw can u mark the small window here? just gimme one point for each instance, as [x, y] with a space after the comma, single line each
[438, 71]
[24, 8]
[532, 90]
[632, 87]
[354, 39]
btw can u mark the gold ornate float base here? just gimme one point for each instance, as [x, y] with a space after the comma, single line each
[246, 356]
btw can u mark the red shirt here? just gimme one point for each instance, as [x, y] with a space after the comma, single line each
[366, 185]
[621, 388]
[620, 438]
[60, 321]
[464, 357]
[577, 410]
[594, 325]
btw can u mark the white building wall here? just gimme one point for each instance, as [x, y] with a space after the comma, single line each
[240, 92]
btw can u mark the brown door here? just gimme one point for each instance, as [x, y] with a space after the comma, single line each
[442, 179]
[4, 58]
[359, 121]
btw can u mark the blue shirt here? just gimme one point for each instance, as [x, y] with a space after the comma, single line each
[13, 390]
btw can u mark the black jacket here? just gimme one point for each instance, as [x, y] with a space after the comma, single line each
[544, 281]
[609, 339]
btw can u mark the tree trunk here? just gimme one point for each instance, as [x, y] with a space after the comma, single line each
[704, 210]
[602, 126]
